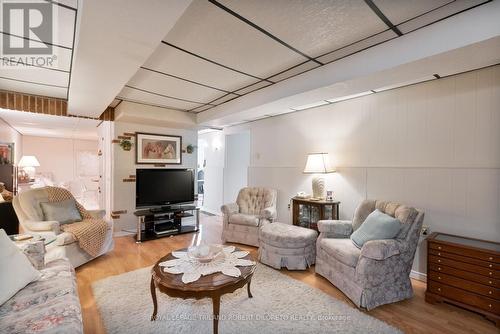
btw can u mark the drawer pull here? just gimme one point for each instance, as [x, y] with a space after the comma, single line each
[439, 277]
[439, 254]
[490, 265]
[439, 261]
[491, 273]
[439, 268]
[439, 289]
[490, 258]
[439, 247]
[490, 282]
[490, 292]
[489, 306]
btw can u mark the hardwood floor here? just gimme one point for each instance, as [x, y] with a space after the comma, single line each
[411, 316]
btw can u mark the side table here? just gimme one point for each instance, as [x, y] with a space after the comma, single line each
[34, 248]
[307, 212]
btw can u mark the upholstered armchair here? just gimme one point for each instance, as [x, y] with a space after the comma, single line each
[31, 218]
[379, 272]
[254, 207]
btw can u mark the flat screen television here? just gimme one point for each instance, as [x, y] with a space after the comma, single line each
[157, 187]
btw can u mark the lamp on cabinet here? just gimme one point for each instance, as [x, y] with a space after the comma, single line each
[27, 165]
[318, 164]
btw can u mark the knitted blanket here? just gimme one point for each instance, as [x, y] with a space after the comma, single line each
[90, 232]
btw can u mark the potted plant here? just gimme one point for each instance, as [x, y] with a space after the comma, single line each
[126, 144]
[190, 148]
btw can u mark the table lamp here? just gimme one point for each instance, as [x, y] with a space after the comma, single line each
[318, 163]
[28, 164]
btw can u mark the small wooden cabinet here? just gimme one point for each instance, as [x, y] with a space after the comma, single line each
[464, 272]
[307, 212]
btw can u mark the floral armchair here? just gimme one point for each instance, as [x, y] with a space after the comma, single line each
[379, 272]
[254, 207]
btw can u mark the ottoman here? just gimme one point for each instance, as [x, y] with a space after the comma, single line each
[284, 245]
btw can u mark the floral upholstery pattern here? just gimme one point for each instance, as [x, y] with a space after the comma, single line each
[284, 245]
[381, 274]
[49, 305]
[254, 208]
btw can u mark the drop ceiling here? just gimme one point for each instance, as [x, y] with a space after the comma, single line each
[219, 51]
[212, 52]
[43, 79]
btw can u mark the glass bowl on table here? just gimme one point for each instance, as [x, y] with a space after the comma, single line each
[204, 253]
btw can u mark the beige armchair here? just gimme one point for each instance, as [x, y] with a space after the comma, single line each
[379, 272]
[31, 219]
[254, 207]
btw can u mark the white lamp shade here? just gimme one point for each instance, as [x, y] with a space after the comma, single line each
[28, 161]
[318, 163]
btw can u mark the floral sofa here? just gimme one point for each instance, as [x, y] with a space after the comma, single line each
[49, 305]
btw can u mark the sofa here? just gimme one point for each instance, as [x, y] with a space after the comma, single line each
[31, 219]
[379, 272]
[254, 207]
[49, 305]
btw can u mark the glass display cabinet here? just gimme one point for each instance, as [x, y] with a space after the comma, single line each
[307, 212]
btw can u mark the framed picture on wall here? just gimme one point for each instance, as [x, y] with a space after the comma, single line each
[158, 149]
[6, 153]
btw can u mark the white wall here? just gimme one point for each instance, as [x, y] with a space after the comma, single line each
[236, 164]
[58, 156]
[434, 145]
[213, 145]
[9, 135]
[124, 165]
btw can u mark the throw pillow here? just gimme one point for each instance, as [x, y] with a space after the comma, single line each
[377, 225]
[16, 270]
[65, 212]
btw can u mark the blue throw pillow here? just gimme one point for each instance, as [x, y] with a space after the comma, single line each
[376, 226]
[65, 212]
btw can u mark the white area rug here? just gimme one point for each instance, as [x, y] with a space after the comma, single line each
[280, 304]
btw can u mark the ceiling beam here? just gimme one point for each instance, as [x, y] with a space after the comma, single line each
[115, 38]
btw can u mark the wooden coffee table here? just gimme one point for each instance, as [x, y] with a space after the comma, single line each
[211, 286]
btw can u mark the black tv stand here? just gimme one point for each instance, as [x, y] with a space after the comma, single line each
[166, 221]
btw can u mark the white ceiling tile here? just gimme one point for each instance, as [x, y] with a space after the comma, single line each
[402, 10]
[313, 27]
[175, 62]
[166, 85]
[224, 98]
[139, 96]
[251, 88]
[207, 30]
[69, 3]
[63, 26]
[371, 41]
[36, 75]
[294, 71]
[21, 87]
[437, 14]
[61, 62]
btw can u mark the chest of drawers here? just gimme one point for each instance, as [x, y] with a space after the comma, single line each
[464, 272]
